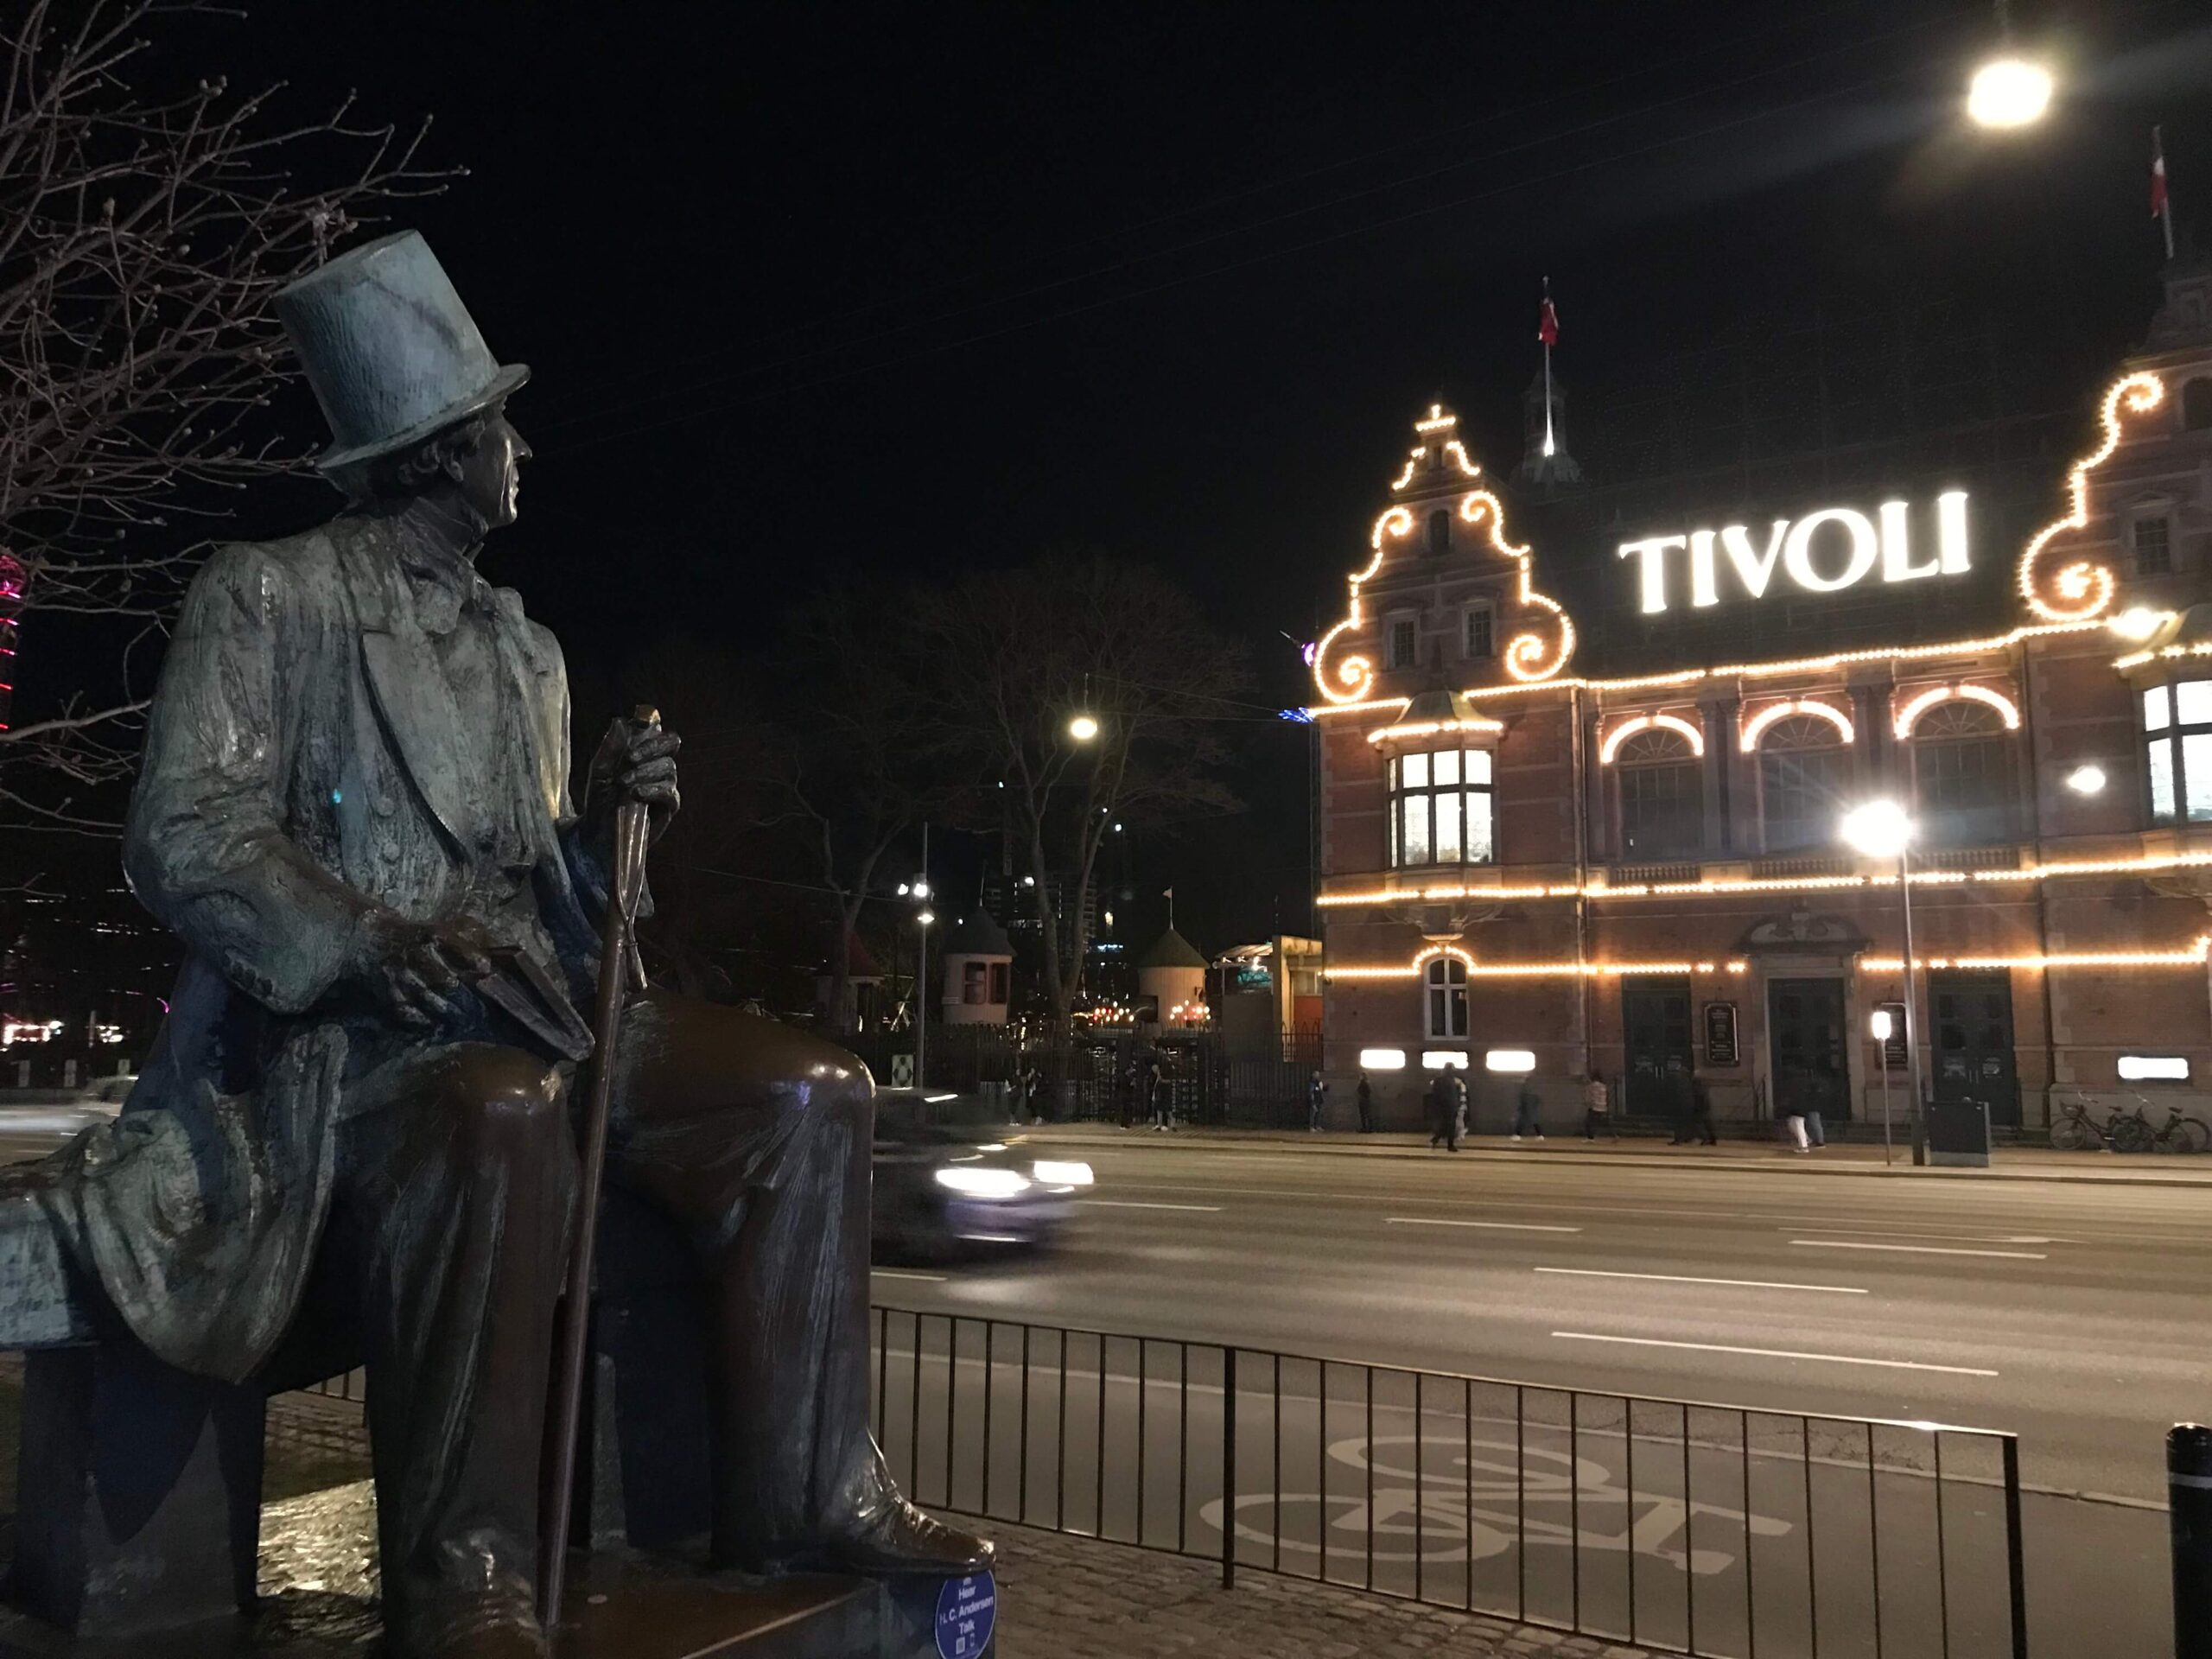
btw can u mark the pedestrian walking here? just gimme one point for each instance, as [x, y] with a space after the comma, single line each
[1158, 1095]
[1456, 1088]
[1597, 1107]
[1788, 1097]
[1125, 1086]
[1365, 1095]
[1816, 1134]
[1317, 1101]
[1525, 1105]
[1439, 1110]
[1696, 1122]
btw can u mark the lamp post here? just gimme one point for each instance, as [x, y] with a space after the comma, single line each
[1884, 830]
[922, 974]
[1881, 1025]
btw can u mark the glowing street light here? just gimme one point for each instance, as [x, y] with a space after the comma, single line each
[2007, 94]
[1884, 830]
[2086, 780]
[1083, 728]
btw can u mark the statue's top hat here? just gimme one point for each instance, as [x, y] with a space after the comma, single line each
[391, 352]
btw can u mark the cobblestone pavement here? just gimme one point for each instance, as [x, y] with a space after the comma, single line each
[1063, 1598]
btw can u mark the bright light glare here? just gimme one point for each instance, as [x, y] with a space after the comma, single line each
[1381, 1060]
[2009, 93]
[1879, 830]
[1083, 728]
[2153, 1068]
[2137, 622]
[921, 889]
[2086, 780]
[1518, 1061]
[984, 1183]
[926, 918]
[1051, 1174]
[1444, 1059]
[1880, 1022]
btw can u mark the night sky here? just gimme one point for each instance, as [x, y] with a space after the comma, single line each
[826, 293]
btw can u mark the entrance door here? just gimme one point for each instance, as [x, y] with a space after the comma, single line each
[1973, 1041]
[1656, 1028]
[1805, 1037]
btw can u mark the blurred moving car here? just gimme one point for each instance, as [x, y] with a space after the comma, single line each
[34, 1121]
[944, 1191]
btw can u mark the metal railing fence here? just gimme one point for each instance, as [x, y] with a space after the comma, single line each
[1686, 1526]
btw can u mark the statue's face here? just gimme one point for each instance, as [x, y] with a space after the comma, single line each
[490, 474]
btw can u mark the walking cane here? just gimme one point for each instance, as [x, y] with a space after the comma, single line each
[619, 966]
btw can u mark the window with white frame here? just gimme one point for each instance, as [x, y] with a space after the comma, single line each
[1447, 998]
[1399, 643]
[1441, 808]
[1804, 774]
[2177, 750]
[1479, 636]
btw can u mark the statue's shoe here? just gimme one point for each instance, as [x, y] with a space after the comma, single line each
[893, 1538]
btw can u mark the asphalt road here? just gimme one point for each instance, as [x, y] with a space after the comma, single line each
[2072, 1314]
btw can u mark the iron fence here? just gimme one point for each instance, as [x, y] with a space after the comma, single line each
[1686, 1526]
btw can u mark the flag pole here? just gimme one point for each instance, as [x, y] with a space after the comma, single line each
[1548, 446]
[2165, 199]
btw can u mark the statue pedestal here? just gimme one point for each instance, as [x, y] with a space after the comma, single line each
[318, 1601]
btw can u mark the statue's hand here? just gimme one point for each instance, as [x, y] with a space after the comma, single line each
[413, 969]
[635, 761]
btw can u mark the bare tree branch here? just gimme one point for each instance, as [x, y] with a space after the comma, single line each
[143, 235]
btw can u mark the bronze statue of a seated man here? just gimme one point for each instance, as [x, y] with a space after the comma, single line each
[355, 810]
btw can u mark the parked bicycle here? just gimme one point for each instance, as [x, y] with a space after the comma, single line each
[2122, 1130]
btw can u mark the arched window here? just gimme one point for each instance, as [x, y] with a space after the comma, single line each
[1804, 782]
[1440, 530]
[1661, 788]
[2197, 403]
[1962, 774]
[1441, 808]
[1447, 998]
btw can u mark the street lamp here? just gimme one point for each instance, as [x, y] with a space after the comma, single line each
[1083, 728]
[2007, 94]
[1884, 830]
[1880, 1023]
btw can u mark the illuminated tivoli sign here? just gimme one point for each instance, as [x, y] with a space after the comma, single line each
[1820, 553]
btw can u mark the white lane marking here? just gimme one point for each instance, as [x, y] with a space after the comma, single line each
[1495, 1226]
[1916, 1250]
[1898, 1232]
[1134, 1204]
[1773, 1353]
[923, 1278]
[1687, 1279]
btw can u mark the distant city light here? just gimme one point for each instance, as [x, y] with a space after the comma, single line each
[1298, 716]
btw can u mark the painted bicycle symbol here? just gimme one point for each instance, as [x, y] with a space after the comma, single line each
[1464, 1505]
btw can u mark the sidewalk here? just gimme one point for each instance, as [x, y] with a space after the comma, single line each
[1066, 1598]
[1742, 1157]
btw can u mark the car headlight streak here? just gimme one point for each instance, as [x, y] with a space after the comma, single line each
[984, 1183]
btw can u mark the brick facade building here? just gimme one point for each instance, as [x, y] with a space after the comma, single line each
[1584, 754]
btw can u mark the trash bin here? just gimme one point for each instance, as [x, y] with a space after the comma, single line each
[1958, 1133]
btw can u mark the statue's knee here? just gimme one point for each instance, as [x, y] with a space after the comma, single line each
[503, 1099]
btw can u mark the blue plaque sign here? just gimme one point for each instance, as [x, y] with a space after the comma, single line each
[966, 1609]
